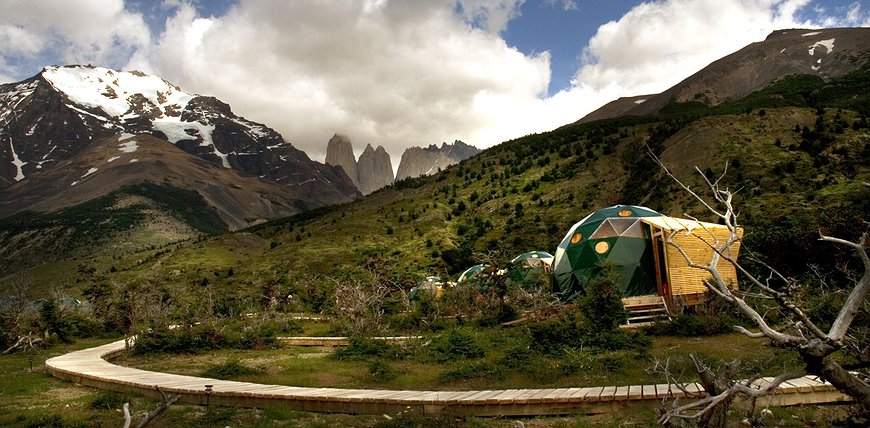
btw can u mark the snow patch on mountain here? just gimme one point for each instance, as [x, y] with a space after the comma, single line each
[19, 172]
[90, 171]
[113, 158]
[111, 91]
[827, 44]
[177, 130]
[128, 147]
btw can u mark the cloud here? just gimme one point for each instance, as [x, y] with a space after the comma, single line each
[491, 15]
[655, 45]
[83, 31]
[390, 73]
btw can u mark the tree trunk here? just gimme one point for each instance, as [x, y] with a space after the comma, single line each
[716, 417]
[848, 383]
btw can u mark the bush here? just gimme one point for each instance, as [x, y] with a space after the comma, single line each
[551, 336]
[457, 345]
[362, 348]
[108, 400]
[381, 371]
[516, 357]
[219, 334]
[602, 304]
[691, 325]
[230, 369]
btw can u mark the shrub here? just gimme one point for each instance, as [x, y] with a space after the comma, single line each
[362, 348]
[230, 369]
[457, 345]
[381, 371]
[516, 357]
[224, 333]
[602, 304]
[550, 336]
[688, 324]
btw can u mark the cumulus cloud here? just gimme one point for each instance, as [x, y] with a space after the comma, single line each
[655, 45]
[82, 31]
[390, 73]
[396, 73]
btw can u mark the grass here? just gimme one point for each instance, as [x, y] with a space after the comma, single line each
[310, 367]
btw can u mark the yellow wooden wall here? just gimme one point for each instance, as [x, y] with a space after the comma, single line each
[684, 279]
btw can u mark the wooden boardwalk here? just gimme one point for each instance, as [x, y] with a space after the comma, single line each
[89, 367]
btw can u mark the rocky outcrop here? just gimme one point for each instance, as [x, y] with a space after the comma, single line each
[339, 152]
[375, 169]
[418, 161]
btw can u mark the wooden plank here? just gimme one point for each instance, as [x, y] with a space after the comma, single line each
[553, 395]
[474, 397]
[538, 396]
[803, 384]
[607, 393]
[621, 393]
[590, 394]
[635, 392]
[648, 391]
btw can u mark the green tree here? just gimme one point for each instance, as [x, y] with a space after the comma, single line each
[602, 304]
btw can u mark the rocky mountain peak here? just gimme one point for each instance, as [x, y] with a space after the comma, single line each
[339, 152]
[371, 172]
[375, 169]
[418, 161]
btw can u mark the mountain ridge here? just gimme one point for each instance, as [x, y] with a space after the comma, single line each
[55, 115]
[827, 53]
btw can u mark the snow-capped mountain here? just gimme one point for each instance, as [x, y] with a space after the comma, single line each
[50, 117]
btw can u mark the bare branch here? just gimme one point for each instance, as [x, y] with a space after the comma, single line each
[745, 389]
[859, 292]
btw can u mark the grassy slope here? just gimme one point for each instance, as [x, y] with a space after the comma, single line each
[133, 220]
[405, 232]
[524, 194]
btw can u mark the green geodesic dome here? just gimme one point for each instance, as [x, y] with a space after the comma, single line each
[526, 265]
[612, 235]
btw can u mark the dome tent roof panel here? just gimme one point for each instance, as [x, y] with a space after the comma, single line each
[604, 235]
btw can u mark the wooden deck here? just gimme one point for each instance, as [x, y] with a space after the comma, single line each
[89, 367]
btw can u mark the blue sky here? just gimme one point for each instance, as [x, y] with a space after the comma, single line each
[401, 73]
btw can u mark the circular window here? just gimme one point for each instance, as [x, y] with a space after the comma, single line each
[576, 238]
[602, 247]
[624, 213]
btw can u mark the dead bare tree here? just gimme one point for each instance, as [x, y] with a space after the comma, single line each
[815, 346]
[358, 305]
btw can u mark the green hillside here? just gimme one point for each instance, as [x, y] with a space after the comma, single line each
[798, 152]
[129, 220]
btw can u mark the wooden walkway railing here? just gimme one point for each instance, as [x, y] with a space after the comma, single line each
[89, 367]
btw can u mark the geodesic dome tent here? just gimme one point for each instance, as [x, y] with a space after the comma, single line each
[432, 285]
[527, 265]
[472, 272]
[534, 259]
[636, 241]
[616, 235]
